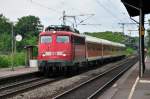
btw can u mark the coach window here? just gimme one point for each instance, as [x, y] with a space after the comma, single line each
[105, 47]
[46, 39]
[62, 39]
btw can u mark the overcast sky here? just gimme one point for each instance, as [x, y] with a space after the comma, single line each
[108, 13]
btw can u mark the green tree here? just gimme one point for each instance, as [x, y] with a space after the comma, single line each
[5, 25]
[5, 34]
[28, 26]
[5, 43]
[112, 36]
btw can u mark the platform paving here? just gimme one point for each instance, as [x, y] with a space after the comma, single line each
[18, 70]
[130, 86]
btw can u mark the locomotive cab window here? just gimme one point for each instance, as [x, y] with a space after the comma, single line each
[46, 39]
[62, 39]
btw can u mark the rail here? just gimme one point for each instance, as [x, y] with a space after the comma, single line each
[90, 89]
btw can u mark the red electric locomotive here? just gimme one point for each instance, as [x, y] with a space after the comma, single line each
[59, 48]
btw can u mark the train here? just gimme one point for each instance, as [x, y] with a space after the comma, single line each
[62, 48]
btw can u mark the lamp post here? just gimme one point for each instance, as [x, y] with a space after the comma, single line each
[12, 47]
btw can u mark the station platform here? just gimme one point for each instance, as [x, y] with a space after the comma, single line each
[17, 70]
[130, 85]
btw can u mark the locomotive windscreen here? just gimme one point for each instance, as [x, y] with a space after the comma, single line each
[46, 39]
[62, 39]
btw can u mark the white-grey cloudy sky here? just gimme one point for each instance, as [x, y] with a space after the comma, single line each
[108, 13]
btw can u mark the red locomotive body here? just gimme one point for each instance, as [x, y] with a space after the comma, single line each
[61, 46]
[55, 46]
[57, 49]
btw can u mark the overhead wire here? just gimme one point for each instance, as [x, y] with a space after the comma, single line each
[43, 6]
[112, 14]
[122, 13]
[107, 10]
[81, 13]
[113, 5]
[64, 4]
[56, 11]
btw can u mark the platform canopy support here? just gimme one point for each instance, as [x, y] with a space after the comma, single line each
[139, 8]
[141, 43]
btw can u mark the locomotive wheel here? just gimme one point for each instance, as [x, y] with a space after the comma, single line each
[41, 69]
[45, 71]
[76, 69]
[65, 70]
[69, 70]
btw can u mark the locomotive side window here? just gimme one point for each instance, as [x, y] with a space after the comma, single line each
[46, 39]
[62, 39]
[79, 40]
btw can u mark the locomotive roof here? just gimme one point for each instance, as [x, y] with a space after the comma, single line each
[102, 41]
[61, 28]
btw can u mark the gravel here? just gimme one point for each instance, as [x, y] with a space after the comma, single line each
[50, 90]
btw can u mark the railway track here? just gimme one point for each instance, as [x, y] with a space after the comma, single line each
[96, 85]
[13, 85]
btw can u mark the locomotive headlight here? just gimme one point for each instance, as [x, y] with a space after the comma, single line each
[43, 54]
[64, 54]
[54, 32]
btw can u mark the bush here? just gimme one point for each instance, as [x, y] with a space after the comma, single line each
[6, 60]
[19, 59]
